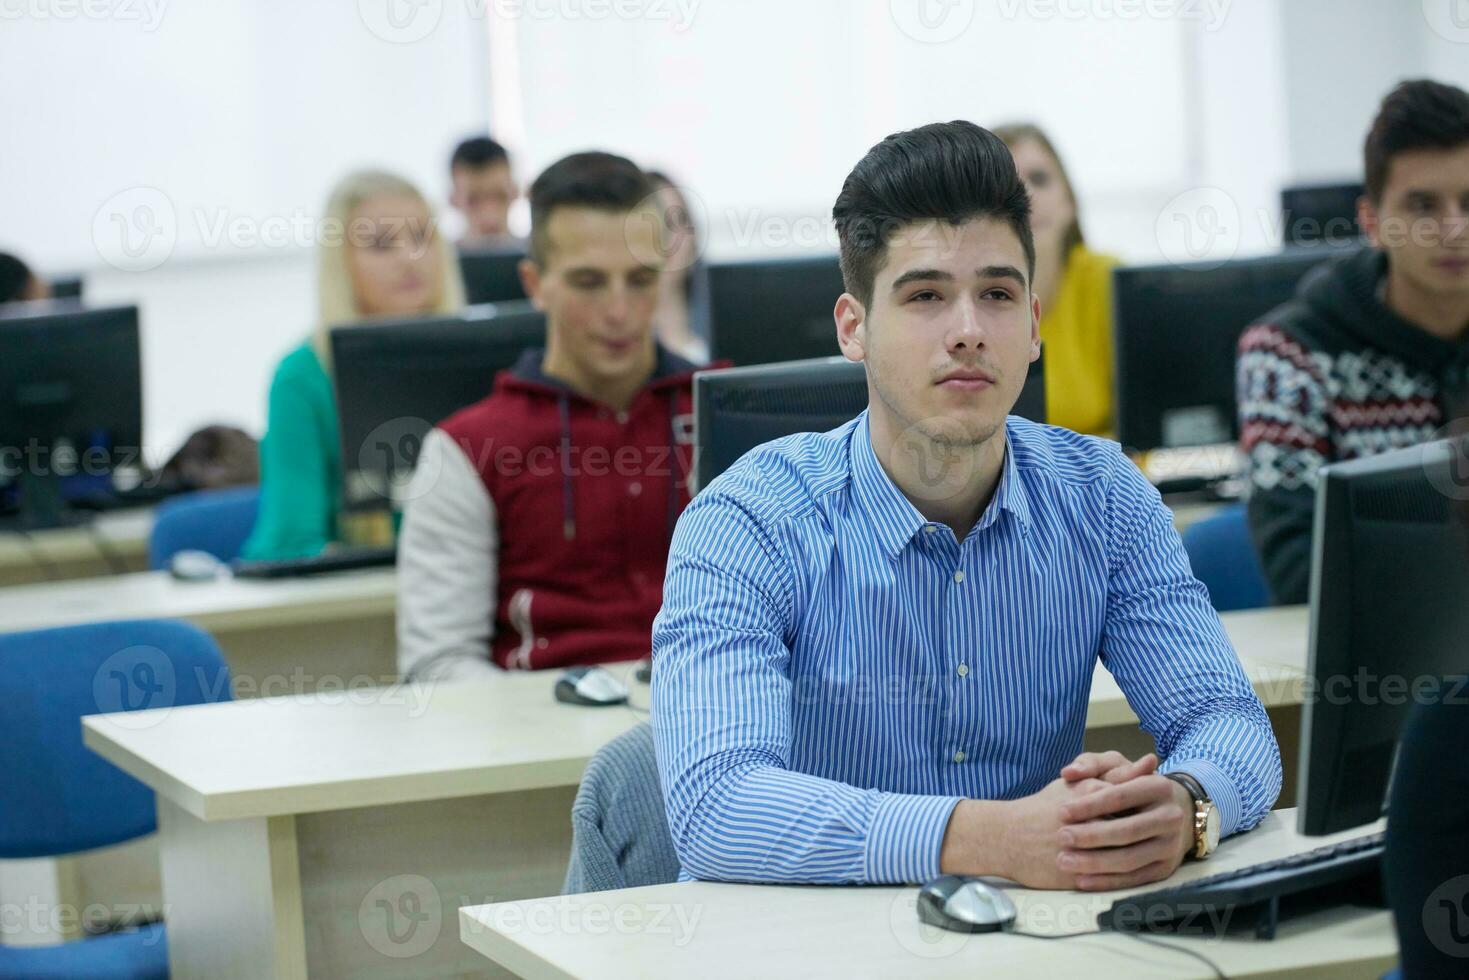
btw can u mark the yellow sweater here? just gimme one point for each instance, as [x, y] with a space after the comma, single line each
[1076, 338]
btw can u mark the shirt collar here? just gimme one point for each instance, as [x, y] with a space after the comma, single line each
[894, 518]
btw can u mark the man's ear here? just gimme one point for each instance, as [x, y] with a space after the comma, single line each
[1035, 327]
[851, 323]
[530, 281]
[1369, 220]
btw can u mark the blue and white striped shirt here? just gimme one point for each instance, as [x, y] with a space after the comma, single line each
[834, 673]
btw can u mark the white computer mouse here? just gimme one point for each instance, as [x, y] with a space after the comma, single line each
[964, 905]
[590, 686]
[196, 566]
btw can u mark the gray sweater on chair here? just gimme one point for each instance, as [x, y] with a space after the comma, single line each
[620, 836]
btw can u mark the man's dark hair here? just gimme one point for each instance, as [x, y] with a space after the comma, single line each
[477, 152]
[603, 181]
[15, 278]
[952, 172]
[1417, 115]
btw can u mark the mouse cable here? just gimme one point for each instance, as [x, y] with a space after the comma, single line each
[1140, 937]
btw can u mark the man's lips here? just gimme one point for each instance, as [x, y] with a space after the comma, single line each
[967, 380]
[1455, 264]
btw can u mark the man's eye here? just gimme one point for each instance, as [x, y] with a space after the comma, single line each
[998, 294]
[925, 295]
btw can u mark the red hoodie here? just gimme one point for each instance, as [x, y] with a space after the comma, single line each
[586, 499]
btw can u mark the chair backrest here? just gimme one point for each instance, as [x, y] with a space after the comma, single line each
[58, 796]
[216, 521]
[1224, 559]
[619, 829]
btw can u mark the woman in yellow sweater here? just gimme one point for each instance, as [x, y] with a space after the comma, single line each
[1075, 289]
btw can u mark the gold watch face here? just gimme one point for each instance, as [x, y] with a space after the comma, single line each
[1211, 827]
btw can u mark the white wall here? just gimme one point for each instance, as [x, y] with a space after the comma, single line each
[248, 111]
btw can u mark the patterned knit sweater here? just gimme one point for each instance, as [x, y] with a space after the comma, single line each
[1332, 375]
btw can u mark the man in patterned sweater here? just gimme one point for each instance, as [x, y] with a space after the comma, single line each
[1373, 350]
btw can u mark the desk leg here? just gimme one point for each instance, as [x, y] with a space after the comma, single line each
[232, 894]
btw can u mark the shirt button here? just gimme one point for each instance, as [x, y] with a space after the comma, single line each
[634, 488]
[929, 529]
[959, 576]
[542, 643]
[622, 418]
[963, 670]
[959, 756]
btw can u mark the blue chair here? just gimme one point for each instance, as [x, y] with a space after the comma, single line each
[216, 521]
[60, 798]
[1223, 558]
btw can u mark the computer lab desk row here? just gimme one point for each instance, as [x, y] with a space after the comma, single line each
[336, 834]
[111, 544]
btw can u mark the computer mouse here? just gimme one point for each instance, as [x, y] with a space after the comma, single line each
[591, 686]
[964, 905]
[196, 566]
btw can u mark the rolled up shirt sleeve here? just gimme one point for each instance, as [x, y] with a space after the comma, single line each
[722, 726]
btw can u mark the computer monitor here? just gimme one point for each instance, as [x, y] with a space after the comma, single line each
[395, 381]
[737, 409]
[491, 274]
[1320, 213]
[1176, 330]
[772, 310]
[66, 287]
[71, 405]
[1389, 622]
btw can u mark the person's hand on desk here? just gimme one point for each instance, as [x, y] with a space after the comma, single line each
[1106, 823]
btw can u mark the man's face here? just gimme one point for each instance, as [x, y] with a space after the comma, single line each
[1422, 220]
[950, 332]
[597, 295]
[484, 196]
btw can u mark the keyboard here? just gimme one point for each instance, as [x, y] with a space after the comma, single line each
[1333, 874]
[344, 560]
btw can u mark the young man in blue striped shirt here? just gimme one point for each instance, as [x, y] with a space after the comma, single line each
[876, 645]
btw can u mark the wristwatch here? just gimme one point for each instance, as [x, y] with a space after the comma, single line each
[1206, 815]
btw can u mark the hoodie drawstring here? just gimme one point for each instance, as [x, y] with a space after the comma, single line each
[568, 510]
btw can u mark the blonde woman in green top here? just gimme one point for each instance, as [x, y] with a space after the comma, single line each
[381, 255]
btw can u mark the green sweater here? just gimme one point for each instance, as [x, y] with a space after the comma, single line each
[300, 462]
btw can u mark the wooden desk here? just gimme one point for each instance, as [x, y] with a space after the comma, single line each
[707, 929]
[421, 799]
[113, 543]
[283, 823]
[278, 636]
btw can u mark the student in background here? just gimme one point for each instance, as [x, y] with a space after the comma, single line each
[1371, 350]
[18, 284]
[681, 321]
[483, 190]
[538, 520]
[1075, 289]
[381, 255]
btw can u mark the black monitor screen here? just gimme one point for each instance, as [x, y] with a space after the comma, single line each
[395, 381]
[491, 275]
[1320, 212]
[770, 311]
[71, 403]
[1389, 622]
[1177, 328]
